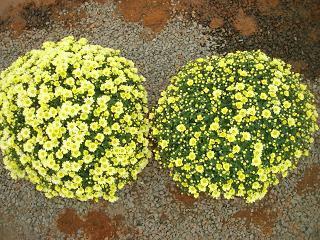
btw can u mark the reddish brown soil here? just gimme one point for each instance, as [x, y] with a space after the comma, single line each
[70, 19]
[99, 226]
[245, 24]
[156, 19]
[69, 222]
[18, 24]
[10, 7]
[264, 218]
[181, 197]
[153, 14]
[267, 6]
[216, 22]
[19, 15]
[205, 10]
[310, 180]
[96, 225]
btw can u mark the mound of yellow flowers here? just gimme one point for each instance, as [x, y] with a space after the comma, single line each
[72, 120]
[231, 126]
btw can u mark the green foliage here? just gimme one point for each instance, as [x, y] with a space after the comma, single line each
[232, 125]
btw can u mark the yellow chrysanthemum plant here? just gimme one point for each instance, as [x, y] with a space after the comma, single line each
[72, 120]
[232, 126]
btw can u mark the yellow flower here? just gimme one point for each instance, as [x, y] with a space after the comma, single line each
[266, 113]
[222, 64]
[210, 154]
[199, 117]
[236, 149]
[215, 194]
[286, 104]
[258, 146]
[273, 88]
[214, 126]
[100, 137]
[42, 154]
[256, 161]
[115, 127]
[192, 156]
[181, 127]
[226, 166]
[242, 73]
[224, 110]
[276, 109]
[231, 138]
[199, 168]
[298, 153]
[192, 141]
[190, 82]
[239, 105]
[204, 182]
[256, 185]
[163, 143]
[259, 66]
[291, 121]
[300, 96]
[192, 190]
[246, 136]
[178, 162]
[238, 118]
[238, 96]
[275, 133]
[263, 96]
[241, 175]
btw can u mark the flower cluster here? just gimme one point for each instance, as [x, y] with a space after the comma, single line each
[72, 120]
[231, 126]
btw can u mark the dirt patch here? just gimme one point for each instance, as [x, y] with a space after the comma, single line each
[132, 11]
[216, 22]
[181, 197]
[18, 24]
[69, 222]
[35, 16]
[96, 225]
[69, 19]
[245, 24]
[155, 19]
[99, 226]
[27, 14]
[264, 218]
[310, 180]
[204, 11]
[267, 6]
[217, 12]
[153, 14]
[264, 213]
[299, 66]
[12, 9]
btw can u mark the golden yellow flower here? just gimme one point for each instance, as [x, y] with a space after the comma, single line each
[181, 127]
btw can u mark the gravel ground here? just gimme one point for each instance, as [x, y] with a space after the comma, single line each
[152, 208]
